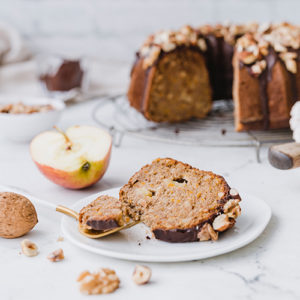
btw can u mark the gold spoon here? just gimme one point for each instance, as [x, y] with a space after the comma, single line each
[92, 234]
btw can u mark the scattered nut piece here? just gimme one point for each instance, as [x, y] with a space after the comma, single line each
[56, 255]
[222, 222]
[29, 248]
[60, 239]
[207, 233]
[141, 274]
[103, 282]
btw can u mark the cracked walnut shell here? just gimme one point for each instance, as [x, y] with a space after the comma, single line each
[17, 215]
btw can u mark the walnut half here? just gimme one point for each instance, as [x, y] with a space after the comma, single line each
[103, 282]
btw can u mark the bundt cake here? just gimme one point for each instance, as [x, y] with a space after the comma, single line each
[170, 81]
[177, 74]
[104, 213]
[180, 203]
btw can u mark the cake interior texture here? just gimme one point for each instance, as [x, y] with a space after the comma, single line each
[104, 213]
[168, 195]
[180, 87]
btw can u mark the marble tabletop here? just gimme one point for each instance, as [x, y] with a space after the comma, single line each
[268, 268]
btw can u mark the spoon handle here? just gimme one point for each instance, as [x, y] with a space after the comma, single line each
[67, 211]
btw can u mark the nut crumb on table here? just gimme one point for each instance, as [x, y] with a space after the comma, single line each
[56, 255]
[60, 239]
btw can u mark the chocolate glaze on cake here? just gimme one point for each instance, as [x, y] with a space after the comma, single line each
[102, 224]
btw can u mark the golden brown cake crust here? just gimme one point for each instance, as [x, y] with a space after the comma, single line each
[175, 200]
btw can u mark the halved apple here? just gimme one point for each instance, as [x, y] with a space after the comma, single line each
[75, 159]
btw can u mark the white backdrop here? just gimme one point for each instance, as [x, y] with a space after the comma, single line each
[113, 29]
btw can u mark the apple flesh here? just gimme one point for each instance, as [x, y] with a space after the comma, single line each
[75, 159]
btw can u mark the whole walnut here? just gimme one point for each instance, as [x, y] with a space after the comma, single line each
[17, 215]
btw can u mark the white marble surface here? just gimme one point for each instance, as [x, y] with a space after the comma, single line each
[268, 268]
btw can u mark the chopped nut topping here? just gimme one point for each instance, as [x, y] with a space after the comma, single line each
[141, 274]
[167, 41]
[21, 108]
[207, 233]
[29, 248]
[222, 222]
[232, 208]
[56, 255]
[258, 67]
[103, 282]
[282, 37]
[289, 60]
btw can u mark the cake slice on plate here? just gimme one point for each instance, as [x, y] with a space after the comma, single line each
[180, 203]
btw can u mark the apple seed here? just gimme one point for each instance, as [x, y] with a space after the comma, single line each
[86, 166]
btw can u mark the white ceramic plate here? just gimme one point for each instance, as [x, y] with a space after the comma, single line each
[132, 244]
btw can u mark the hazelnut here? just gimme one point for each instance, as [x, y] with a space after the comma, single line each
[17, 215]
[29, 248]
[141, 274]
[222, 222]
[56, 255]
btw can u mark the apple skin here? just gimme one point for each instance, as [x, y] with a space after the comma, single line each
[78, 179]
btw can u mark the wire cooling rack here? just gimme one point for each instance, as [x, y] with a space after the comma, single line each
[216, 130]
